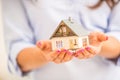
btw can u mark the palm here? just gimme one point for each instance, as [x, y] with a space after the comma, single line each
[45, 48]
[96, 39]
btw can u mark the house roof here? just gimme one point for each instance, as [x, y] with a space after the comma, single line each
[77, 29]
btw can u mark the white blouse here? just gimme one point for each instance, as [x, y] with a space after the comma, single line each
[27, 21]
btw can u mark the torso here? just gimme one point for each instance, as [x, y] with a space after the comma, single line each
[46, 15]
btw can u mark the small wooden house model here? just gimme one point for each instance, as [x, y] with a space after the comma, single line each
[69, 35]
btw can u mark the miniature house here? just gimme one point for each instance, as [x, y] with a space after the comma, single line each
[69, 35]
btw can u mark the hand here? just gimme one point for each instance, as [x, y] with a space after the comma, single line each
[61, 56]
[45, 50]
[95, 40]
[57, 56]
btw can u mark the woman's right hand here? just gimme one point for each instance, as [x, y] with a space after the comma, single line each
[57, 56]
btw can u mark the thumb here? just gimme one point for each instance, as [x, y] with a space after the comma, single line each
[102, 37]
[44, 44]
[40, 44]
[52, 55]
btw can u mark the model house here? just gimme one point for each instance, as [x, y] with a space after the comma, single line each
[69, 35]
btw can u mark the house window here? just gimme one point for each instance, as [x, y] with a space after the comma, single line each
[84, 42]
[59, 44]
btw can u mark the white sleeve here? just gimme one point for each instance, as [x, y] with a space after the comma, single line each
[18, 32]
[118, 62]
[114, 24]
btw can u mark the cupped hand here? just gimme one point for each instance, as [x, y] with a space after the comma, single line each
[94, 47]
[57, 56]
[61, 56]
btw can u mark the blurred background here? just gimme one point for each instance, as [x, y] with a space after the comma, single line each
[100, 69]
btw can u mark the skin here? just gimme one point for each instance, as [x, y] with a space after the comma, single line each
[100, 44]
[36, 57]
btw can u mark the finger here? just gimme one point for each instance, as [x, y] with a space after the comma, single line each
[102, 37]
[68, 56]
[44, 44]
[83, 54]
[80, 56]
[90, 50]
[96, 50]
[78, 52]
[40, 45]
[92, 37]
[54, 54]
[87, 54]
[60, 57]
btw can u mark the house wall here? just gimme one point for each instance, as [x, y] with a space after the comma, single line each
[71, 43]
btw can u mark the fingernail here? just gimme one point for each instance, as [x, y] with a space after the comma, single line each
[82, 50]
[79, 52]
[76, 55]
[70, 53]
[39, 43]
[58, 51]
[106, 37]
[87, 48]
[65, 50]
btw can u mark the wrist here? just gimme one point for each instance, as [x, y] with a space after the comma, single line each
[31, 58]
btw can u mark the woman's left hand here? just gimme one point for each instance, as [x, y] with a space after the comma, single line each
[95, 41]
